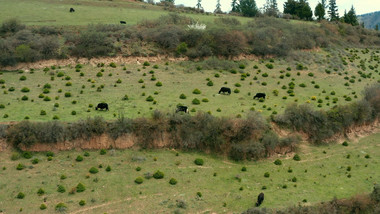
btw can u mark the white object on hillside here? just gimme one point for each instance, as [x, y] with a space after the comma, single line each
[197, 26]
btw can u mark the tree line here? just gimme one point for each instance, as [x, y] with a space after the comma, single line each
[297, 9]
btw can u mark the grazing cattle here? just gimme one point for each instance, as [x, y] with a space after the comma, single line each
[259, 95]
[72, 10]
[260, 199]
[123, 22]
[102, 106]
[224, 90]
[182, 108]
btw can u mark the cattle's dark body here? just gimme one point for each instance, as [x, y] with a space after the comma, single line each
[260, 199]
[123, 22]
[225, 90]
[72, 10]
[182, 108]
[102, 106]
[259, 95]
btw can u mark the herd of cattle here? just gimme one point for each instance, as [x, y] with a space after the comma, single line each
[185, 109]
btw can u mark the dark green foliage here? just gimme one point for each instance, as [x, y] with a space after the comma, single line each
[79, 158]
[61, 207]
[319, 11]
[35, 161]
[196, 101]
[43, 206]
[82, 202]
[266, 174]
[61, 189]
[243, 169]
[139, 180]
[93, 170]
[20, 195]
[173, 181]
[40, 192]
[103, 152]
[300, 9]
[196, 91]
[158, 175]
[86, 154]
[108, 168]
[296, 157]
[277, 162]
[80, 187]
[27, 155]
[63, 177]
[345, 143]
[199, 161]
[138, 168]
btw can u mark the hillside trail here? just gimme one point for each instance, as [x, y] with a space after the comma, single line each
[107, 60]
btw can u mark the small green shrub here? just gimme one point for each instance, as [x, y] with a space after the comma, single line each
[40, 192]
[93, 170]
[61, 207]
[63, 177]
[43, 207]
[79, 158]
[35, 161]
[80, 187]
[196, 91]
[112, 65]
[243, 169]
[159, 84]
[82, 202]
[296, 157]
[108, 168]
[345, 143]
[20, 195]
[61, 189]
[196, 101]
[198, 161]
[103, 152]
[158, 175]
[266, 174]
[149, 98]
[294, 179]
[146, 63]
[182, 96]
[27, 155]
[278, 162]
[269, 65]
[138, 168]
[173, 181]
[25, 89]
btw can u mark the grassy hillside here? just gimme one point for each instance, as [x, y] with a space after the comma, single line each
[71, 93]
[56, 13]
[322, 173]
[370, 19]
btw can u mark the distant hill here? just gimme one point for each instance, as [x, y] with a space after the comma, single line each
[370, 19]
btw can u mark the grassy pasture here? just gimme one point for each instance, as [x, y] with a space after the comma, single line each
[322, 173]
[56, 13]
[177, 79]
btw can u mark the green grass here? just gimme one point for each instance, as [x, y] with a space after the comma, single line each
[116, 190]
[177, 79]
[44, 12]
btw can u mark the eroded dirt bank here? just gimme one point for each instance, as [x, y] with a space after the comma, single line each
[130, 140]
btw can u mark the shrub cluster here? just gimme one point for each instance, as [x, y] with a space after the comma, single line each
[321, 125]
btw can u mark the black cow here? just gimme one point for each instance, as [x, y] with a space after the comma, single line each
[224, 90]
[259, 95]
[260, 199]
[182, 108]
[72, 10]
[123, 22]
[102, 106]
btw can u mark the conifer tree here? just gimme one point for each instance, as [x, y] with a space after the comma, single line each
[218, 7]
[199, 6]
[333, 11]
[235, 6]
[270, 8]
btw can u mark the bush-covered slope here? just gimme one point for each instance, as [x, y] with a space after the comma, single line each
[174, 35]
